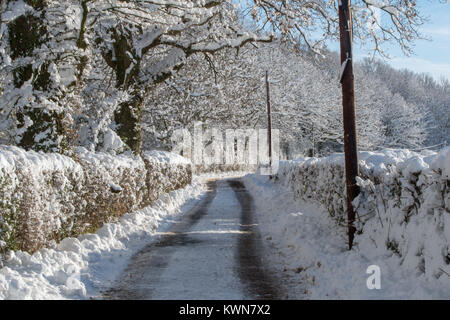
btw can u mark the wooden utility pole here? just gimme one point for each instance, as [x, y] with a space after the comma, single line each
[269, 121]
[348, 104]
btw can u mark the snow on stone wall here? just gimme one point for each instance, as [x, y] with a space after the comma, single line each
[47, 197]
[403, 207]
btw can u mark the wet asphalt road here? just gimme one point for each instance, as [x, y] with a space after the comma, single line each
[214, 251]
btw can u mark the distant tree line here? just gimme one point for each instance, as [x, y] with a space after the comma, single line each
[395, 108]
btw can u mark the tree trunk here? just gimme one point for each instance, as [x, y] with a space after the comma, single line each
[38, 128]
[128, 123]
[127, 117]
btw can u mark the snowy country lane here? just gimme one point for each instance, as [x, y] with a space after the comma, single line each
[213, 252]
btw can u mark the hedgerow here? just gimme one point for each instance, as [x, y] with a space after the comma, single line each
[46, 197]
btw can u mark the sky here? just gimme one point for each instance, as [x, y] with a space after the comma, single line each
[432, 57]
[429, 56]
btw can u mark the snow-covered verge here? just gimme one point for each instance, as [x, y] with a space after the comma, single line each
[403, 222]
[309, 253]
[80, 268]
[45, 198]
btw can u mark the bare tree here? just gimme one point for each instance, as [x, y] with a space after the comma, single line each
[313, 23]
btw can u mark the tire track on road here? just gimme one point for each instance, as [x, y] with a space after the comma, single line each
[252, 270]
[156, 256]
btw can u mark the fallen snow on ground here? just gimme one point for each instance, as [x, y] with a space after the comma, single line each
[80, 268]
[309, 250]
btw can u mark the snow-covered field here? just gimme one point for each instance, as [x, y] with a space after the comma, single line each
[79, 268]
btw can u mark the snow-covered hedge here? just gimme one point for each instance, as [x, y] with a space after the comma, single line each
[403, 207]
[165, 172]
[47, 197]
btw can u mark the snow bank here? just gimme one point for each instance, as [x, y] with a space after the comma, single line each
[403, 208]
[45, 198]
